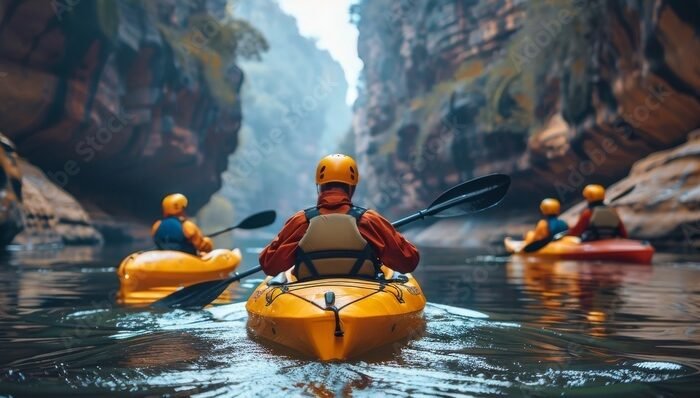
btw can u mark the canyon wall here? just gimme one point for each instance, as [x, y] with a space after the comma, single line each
[122, 102]
[556, 93]
[294, 113]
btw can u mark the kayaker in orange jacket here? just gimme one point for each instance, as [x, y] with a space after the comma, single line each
[336, 238]
[550, 225]
[175, 232]
[598, 221]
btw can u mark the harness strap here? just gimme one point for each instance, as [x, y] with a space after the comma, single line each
[311, 212]
[303, 257]
[357, 212]
[366, 254]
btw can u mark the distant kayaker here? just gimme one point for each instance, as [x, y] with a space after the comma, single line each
[550, 225]
[598, 221]
[175, 232]
[335, 237]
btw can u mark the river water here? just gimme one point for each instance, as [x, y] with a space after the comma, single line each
[495, 326]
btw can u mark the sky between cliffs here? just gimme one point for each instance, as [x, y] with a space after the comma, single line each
[328, 21]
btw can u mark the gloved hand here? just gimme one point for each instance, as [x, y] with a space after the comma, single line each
[207, 245]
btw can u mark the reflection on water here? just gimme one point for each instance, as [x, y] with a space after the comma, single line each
[496, 326]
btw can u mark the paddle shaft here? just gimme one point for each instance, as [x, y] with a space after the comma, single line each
[438, 208]
[258, 220]
[407, 220]
[223, 231]
[238, 276]
[479, 194]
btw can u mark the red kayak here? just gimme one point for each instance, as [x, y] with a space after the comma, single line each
[571, 248]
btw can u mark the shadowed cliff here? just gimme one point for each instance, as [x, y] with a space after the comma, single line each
[122, 102]
[556, 93]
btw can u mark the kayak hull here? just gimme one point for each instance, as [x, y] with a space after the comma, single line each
[148, 276]
[571, 248]
[371, 314]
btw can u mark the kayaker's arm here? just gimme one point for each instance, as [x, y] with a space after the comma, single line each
[622, 230]
[194, 235]
[582, 223]
[155, 227]
[280, 254]
[390, 246]
[540, 232]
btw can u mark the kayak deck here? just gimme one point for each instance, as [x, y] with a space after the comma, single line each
[572, 248]
[148, 276]
[365, 314]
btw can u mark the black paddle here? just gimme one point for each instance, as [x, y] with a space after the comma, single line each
[258, 220]
[539, 244]
[468, 197]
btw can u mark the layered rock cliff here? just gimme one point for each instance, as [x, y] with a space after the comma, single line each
[556, 93]
[122, 102]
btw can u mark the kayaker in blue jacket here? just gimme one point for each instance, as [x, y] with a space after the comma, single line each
[550, 225]
[175, 232]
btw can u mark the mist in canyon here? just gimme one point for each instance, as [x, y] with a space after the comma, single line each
[294, 113]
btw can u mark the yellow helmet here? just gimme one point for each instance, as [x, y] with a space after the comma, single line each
[337, 168]
[550, 207]
[174, 205]
[594, 193]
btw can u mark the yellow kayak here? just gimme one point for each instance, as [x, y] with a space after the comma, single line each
[150, 275]
[336, 318]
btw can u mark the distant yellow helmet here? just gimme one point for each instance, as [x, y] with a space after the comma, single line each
[594, 193]
[550, 207]
[174, 205]
[337, 168]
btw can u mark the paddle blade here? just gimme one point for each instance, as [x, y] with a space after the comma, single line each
[259, 220]
[193, 297]
[197, 296]
[470, 196]
[540, 244]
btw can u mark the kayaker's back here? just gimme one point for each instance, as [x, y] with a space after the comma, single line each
[333, 246]
[336, 177]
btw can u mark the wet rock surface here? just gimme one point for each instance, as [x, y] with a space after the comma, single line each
[51, 215]
[556, 93]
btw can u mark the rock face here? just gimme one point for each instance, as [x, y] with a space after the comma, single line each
[11, 221]
[556, 93]
[660, 199]
[51, 216]
[122, 102]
